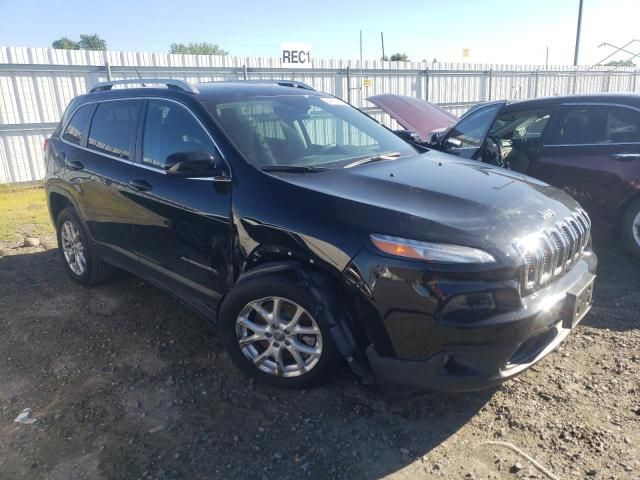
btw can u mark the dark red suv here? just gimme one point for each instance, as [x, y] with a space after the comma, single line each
[588, 145]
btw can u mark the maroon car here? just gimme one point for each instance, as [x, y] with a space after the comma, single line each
[589, 145]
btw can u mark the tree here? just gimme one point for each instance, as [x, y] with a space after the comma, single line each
[192, 48]
[92, 42]
[399, 57]
[87, 42]
[65, 43]
[620, 63]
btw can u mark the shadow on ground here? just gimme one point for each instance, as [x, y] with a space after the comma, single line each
[127, 383]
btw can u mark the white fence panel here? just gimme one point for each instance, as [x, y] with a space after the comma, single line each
[36, 84]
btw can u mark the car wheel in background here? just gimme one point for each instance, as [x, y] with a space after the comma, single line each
[631, 228]
[277, 334]
[79, 257]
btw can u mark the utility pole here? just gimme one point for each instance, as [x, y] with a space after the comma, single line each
[575, 56]
[382, 42]
[546, 59]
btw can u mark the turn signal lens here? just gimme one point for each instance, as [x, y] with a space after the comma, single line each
[431, 252]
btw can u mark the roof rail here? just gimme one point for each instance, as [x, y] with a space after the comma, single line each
[169, 82]
[282, 83]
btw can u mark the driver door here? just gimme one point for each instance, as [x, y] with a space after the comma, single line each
[183, 233]
[467, 136]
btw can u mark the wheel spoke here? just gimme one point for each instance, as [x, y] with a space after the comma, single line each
[263, 356]
[253, 326]
[261, 311]
[256, 337]
[279, 361]
[306, 349]
[298, 359]
[275, 313]
[296, 318]
[306, 331]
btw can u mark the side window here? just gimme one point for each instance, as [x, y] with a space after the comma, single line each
[623, 125]
[78, 124]
[525, 125]
[470, 131]
[113, 127]
[594, 125]
[169, 128]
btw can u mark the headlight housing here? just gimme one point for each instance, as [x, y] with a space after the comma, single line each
[431, 252]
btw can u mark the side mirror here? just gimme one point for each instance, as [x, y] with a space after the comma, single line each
[408, 136]
[436, 136]
[195, 164]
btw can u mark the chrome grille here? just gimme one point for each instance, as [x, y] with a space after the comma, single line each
[550, 252]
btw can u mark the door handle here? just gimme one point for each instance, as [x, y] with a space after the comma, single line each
[141, 185]
[74, 165]
[625, 157]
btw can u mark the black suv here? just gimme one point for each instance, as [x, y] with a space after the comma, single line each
[310, 234]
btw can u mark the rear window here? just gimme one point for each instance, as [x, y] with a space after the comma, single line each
[78, 124]
[113, 127]
[592, 125]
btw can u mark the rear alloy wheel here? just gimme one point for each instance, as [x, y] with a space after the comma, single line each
[73, 248]
[631, 228]
[276, 332]
[81, 261]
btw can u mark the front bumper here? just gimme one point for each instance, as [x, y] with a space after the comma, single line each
[488, 352]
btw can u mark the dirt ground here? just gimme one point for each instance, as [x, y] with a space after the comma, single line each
[124, 382]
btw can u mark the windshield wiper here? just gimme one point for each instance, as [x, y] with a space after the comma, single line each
[374, 158]
[292, 169]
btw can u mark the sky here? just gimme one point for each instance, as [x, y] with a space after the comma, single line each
[494, 31]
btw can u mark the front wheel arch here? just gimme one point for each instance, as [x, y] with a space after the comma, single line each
[324, 288]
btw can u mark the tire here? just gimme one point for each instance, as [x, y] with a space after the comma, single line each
[78, 253]
[630, 228]
[238, 314]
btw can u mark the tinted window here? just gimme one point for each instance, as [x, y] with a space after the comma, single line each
[470, 131]
[75, 128]
[113, 127]
[623, 125]
[303, 130]
[597, 125]
[522, 125]
[169, 128]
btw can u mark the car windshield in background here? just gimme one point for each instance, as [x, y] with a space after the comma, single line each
[304, 131]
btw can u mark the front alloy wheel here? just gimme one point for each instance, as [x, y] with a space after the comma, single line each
[278, 333]
[279, 336]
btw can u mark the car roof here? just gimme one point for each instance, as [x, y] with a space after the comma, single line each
[616, 98]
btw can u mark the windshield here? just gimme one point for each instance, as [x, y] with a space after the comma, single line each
[303, 130]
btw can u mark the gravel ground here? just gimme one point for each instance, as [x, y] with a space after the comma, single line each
[124, 382]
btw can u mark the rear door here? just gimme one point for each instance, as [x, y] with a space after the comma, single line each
[183, 234]
[592, 151]
[99, 170]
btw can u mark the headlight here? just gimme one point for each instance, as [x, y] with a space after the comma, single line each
[431, 252]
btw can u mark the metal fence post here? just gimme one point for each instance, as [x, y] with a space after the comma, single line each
[574, 85]
[633, 80]
[244, 72]
[535, 83]
[426, 84]
[348, 84]
[107, 68]
[490, 83]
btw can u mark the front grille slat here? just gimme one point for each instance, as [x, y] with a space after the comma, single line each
[553, 251]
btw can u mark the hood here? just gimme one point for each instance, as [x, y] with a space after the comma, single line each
[438, 197]
[414, 114]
